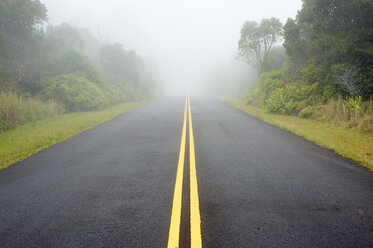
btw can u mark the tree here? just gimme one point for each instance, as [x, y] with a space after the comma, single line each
[257, 40]
[119, 65]
[328, 33]
[19, 19]
[63, 38]
[295, 41]
[276, 59]
[21, 36]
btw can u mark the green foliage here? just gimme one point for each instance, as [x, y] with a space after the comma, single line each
[18, 21]
[271, 93]
[293, 99]
[62, 38]
[307, 112]
[72, 62]
[329, 52]
[21, 48]
[72, 72]
[258, 93]
[77, 93]
[16, 109]
[120, 66]
[354, 103]
[270, 81]
[296, 38]
[257, 40]
[46, 64]
[309, 74]
[282, 101]
[333, 32]
[276, 59]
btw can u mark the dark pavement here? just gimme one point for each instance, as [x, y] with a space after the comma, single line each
[259, 186]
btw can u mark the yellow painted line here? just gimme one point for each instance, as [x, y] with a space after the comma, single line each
[195, 219]
[173, 236]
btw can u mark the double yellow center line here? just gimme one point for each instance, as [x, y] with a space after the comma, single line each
[195, 219]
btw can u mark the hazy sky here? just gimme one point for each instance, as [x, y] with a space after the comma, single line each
[185, 37]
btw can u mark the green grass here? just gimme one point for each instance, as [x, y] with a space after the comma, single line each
[23, 141]
[352, 144]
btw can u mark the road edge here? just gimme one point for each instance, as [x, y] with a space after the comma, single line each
[22, 153]
[345, 153]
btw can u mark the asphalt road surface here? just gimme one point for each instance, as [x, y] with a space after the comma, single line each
[114, 185]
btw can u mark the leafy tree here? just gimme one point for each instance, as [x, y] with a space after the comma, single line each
[257, 40]
[329, 48]
[72, 62]
[91, 48]
[328, 33]
[276, 59]
[20, 36]
[63, 38]
[54, 62]
[119, 65]
[19, 19]
[296, 38]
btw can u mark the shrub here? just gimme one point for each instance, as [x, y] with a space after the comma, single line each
[73, 62]
[78, 85]
[267, 83]
[292, 99]
[307, 112]
[76, 92]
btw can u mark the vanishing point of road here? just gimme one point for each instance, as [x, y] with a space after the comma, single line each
[188, 172]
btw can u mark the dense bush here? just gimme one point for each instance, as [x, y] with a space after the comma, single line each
[297, 99]
[313, 100]
[77, 93]
[78, 85]
[72, 62]
[16, 109]
[267, 83]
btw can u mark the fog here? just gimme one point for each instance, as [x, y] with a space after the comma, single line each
[189, 40]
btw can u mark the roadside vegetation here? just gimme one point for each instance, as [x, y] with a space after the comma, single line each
[46, 70]
[23, 141]
[17, 110]
[323, 71]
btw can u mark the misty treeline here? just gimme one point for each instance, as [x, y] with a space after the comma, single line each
[323, 69]
[46, 70]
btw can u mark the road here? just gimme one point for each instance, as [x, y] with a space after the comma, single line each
[257, 185]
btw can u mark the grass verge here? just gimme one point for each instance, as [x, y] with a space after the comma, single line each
[23, 141]
[349, 143]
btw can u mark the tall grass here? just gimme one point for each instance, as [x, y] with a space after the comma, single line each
[16, 109]
[349, 113]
